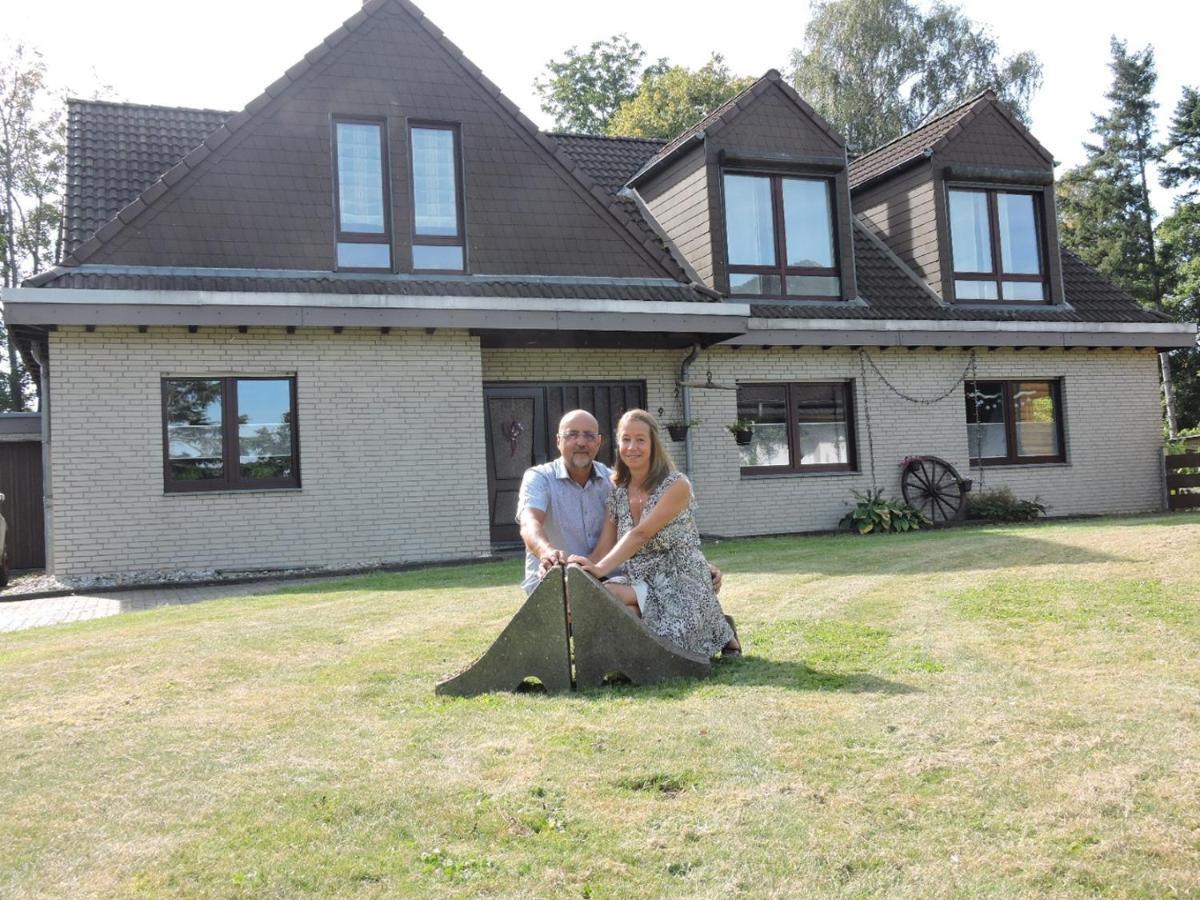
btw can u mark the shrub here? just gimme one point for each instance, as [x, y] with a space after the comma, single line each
[1001, 505]
[873, 514]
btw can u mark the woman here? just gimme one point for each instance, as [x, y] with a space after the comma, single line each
[651, 528]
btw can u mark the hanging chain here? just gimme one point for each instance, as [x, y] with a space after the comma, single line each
[970, 367]
[867, 412]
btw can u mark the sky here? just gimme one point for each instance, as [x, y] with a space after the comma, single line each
[221, 53]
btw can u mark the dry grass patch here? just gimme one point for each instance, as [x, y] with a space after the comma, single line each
[991, 711]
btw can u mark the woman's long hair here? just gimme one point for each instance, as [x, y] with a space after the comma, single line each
[661, 464]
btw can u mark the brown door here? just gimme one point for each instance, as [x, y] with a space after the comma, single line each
[516, 440]
[521, 420]
[21, 484]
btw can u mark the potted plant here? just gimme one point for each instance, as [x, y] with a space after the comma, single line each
[742, 431]
[679, 428]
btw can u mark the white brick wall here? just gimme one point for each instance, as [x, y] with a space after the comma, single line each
[1110, 400]
[391, 451]
[393, 456]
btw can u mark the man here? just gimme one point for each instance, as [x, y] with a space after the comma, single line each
[561, 507]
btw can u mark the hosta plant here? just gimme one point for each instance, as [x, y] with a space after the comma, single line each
[873, 514]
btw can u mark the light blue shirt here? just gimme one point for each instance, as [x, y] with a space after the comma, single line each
[574, 514]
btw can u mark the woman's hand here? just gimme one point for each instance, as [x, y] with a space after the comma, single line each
[596, 570]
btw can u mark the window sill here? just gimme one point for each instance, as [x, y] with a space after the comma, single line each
[235, 492]
[1056, 464]
[828, 473]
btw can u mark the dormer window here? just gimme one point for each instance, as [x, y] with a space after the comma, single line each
[780, 236]
[996, 246]
[364, 240]
[438, 241]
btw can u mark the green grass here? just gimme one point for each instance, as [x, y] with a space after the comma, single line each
[997, 711]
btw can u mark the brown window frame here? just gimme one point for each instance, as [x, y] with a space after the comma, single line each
[779, 226]
[997, 275]
[433, 240]
[360, 237]
[1010, 424]
[232, 481]
[794, 467]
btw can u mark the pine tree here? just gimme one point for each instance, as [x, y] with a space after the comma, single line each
[1107, 215]
[1179, 241]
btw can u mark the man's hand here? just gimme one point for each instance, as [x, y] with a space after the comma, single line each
[549, 559]
[716, 578]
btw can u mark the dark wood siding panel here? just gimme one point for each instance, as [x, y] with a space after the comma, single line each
[990, 139]
[773, 126]
[21, 484]
[265, 197]
[904, 214]
[679, 200]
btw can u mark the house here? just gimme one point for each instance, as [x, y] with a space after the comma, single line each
[334, 327]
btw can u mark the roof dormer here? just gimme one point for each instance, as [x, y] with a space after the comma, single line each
[967, 201]
[756, 198]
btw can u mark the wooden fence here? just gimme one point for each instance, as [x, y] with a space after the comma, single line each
[1182, 472]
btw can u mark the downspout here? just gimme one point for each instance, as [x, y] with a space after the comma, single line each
[686, 404]
[35, 350]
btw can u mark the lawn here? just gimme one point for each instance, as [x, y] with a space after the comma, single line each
[982, 712]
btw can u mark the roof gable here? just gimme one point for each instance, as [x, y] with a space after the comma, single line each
[258, 190]
[729, 112]
[935, 136]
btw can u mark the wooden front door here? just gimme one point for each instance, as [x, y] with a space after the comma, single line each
[520, 423]
[21, 484]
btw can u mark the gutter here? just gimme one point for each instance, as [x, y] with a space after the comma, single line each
[71, 306]
[47, 484]
[960, 333]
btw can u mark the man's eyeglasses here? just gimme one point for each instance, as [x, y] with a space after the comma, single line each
[590, 436]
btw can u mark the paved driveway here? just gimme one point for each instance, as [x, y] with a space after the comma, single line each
[16, 615]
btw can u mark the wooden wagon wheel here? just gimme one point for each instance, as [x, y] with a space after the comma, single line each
[931, 485]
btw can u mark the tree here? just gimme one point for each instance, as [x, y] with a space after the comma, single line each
[1181, 163]
[583, 90]
[1179, 243]
[32, 161]
[672, 99]
[1105, 206]
[878, 68]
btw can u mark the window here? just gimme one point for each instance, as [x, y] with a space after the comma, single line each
[996, 246]
[438, 243]
[797, 427]
[364, 239]
[1014, 422]
[222, 434]
[779, 234]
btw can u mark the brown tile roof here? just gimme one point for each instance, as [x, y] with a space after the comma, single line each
[728, 111]
[891, 291]
[117, 150]
[610, 161]
[931, 136]
[115, 278]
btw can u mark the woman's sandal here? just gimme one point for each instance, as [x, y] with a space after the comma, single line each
[726, 651]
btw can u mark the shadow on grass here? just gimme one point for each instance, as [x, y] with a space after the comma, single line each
[758, 671]
[952, 550]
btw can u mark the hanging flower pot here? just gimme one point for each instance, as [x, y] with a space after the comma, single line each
[742, 431]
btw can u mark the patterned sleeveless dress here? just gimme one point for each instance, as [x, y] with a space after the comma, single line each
[680, 604]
